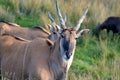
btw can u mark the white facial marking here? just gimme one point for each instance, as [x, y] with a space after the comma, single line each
[62, 52]
[70, 60]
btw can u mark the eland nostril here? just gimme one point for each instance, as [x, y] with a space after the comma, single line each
[68, 54]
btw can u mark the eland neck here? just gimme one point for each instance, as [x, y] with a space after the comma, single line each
[57, 64]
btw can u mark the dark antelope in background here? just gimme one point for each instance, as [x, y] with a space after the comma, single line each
[40, 59]
[111, 24]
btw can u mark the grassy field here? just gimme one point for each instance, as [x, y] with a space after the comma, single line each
[95, 59]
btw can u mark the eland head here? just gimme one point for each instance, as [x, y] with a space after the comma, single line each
[67, 35]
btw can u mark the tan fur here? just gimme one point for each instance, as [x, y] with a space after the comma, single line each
[14, 24]
[27, 33]
[42, 60]
[36, 60]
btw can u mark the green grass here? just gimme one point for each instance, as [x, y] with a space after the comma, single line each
[27, 21]
[95, 59]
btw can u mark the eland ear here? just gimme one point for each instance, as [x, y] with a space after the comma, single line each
[49, 27]
[83, 31]
[49, 42]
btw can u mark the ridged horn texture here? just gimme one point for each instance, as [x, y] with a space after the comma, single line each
[81, 20]
[51, 19]
[62, 22]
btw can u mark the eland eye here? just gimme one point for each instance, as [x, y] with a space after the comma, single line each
[62, 35]
[54, 32]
